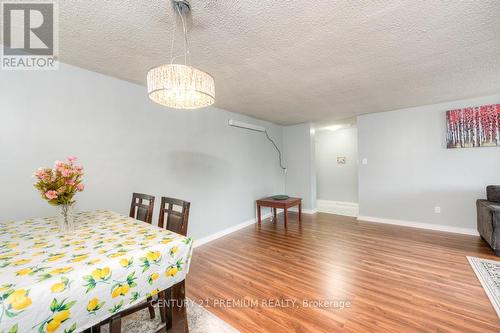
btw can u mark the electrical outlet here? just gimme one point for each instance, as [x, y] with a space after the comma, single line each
[437, 210]
[364, 161]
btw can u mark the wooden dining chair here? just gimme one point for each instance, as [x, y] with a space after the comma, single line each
[177, 219]
[140, 210]
[143, 212]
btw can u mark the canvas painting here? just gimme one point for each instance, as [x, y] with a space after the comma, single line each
[473, 127]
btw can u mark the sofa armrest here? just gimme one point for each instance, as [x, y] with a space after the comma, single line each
[488, 222]
[493, 193]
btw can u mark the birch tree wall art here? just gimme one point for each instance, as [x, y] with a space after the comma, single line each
[473, 127]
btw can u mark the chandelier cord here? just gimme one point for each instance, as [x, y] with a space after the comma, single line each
[174, 31]
[184, 30]
[187, 53]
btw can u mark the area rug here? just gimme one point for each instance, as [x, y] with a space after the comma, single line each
[200, 320]
[488, 273]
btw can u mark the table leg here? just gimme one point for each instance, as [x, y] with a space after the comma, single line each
[168, 308]
[150, 308]
[300, 212]
[286, 217]
[96, 329]
[162, 305]
[178, 308]
[274, 215]
[258, 214]
[115, 324]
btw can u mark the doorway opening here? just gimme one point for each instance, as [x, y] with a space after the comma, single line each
[336, 146]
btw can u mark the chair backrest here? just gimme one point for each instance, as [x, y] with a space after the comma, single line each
[177, 220]
[140, 210]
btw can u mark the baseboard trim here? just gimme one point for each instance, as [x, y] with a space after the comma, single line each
[429, 226]
[338, 207]
[227, 231]
[419, 225]
[304, 211]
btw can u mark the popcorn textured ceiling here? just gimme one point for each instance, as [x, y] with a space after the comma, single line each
[295, 61]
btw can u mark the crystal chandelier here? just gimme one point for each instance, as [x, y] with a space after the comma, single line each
[180, 86]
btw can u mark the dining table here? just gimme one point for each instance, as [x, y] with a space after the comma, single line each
[53, 281]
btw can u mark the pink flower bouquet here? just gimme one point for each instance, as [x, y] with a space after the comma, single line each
[59, 184]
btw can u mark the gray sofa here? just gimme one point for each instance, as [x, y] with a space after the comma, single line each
[488, 218]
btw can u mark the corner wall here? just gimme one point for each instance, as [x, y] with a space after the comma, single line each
[299, 156]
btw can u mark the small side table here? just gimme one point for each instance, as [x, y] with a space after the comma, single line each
[282, 204]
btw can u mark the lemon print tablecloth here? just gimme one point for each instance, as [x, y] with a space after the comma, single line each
[55, 282]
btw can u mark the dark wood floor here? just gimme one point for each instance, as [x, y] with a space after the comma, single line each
[397, 279]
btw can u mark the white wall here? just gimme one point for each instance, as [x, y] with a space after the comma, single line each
[410, 171]
[337, 182]
[299, 153]
[127, 143]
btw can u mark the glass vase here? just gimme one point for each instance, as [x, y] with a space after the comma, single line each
[67, 218]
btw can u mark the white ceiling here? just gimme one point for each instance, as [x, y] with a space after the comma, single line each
[300, 60]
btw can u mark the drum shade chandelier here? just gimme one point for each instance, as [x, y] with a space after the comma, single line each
[180, 86]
